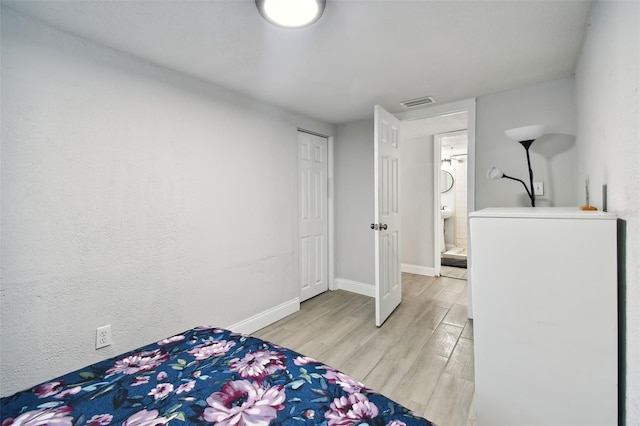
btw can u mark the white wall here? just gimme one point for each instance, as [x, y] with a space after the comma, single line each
[553, 156]
[354, 197]
[608, 142]
[132, 196]
[416, 203]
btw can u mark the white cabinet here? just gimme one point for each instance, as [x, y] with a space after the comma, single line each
[545, 316]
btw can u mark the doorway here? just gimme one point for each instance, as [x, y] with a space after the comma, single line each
[420, 180]
[450, 198]
[421, 229]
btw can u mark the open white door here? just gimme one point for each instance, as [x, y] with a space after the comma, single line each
[387, 214]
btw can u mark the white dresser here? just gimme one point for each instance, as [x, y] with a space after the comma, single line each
[545, 316]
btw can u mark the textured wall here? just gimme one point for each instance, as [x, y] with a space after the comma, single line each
[132, 196]
[608, 103]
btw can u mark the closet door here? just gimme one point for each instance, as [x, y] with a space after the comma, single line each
[313, 214]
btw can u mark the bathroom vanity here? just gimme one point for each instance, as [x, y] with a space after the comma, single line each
[545, 316]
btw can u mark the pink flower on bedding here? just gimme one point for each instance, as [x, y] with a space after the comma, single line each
[301, 361]
[48, 389]
[44, 416]
[258, 364]
[142, 361]
[211, 349]
[141, 380]
[161, 376]
[68, 392]
[145, 418]
[186, 387]
[242, 402]
[170, 340]
[161, 390]
[348, 410]
[396, 423]
[347, 383]
[100, 420]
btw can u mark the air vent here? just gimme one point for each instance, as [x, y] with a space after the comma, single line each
[427, 100]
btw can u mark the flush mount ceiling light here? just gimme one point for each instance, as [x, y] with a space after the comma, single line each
[291, 13]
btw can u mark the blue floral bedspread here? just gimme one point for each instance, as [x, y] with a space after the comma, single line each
[205, 375]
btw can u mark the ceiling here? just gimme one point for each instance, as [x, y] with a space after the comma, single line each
[360, 53]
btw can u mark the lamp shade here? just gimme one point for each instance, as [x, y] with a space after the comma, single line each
[494, 173]
[291, 13]
[526, 133]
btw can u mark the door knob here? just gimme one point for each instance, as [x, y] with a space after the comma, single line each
[374, 226]
[383, 226]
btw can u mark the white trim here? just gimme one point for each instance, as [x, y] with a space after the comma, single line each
[436, 110]
[330, 206]
[419, 270]
[355, 287]
[267, 317]
[437, 155]
[471, 194]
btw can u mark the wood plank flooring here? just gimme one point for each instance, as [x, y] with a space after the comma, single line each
[422, 357]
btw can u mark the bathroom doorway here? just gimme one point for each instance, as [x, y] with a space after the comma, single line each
[450, 198]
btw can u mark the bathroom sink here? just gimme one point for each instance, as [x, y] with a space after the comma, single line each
[446, 213]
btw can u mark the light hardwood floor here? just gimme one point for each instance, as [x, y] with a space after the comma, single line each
[422, 356]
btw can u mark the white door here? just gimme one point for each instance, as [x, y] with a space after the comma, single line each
[387, 214]
[312, 195]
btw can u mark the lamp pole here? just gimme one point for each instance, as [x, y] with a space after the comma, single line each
[525, 136]
[532, 196]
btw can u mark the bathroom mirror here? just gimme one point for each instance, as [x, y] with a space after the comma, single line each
[446, 181]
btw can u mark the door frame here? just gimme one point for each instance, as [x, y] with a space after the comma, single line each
[437, 154]
[330, 210]
[468, 105]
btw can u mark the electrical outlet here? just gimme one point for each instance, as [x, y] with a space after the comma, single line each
[103, 336]
[538, 188]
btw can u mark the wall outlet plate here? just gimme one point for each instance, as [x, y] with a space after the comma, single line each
[103, 336]
[538, 188]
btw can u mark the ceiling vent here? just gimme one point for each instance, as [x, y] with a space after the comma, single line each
[427, 100]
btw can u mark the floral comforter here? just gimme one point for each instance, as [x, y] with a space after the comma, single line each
[205, 375]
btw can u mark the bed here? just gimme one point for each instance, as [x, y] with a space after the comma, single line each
[205, 375]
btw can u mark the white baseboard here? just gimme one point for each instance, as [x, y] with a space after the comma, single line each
[267, 317]
[419, 270]
[355, 287]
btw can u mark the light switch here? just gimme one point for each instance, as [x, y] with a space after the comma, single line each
[538, 188]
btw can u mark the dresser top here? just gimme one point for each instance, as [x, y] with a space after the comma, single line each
[543, 212]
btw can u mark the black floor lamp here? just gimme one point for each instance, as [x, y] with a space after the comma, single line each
[525, 136]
